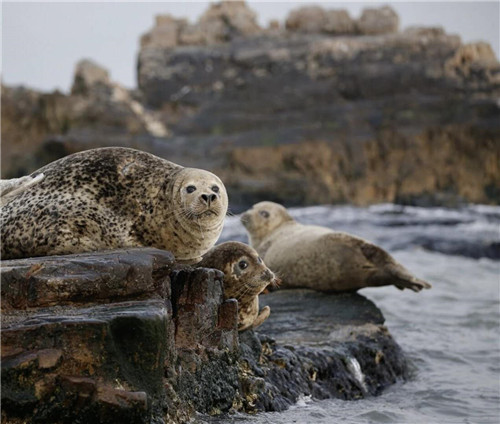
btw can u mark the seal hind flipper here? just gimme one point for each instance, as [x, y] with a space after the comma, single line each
[404, 280]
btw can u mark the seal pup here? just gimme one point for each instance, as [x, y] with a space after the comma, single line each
[113, 198]
[319, 258]
[11, 188]
[245, 277]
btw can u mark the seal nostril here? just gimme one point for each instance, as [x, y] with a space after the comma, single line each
[213, 198]
[204, 197]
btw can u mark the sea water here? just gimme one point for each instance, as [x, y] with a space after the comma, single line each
[450, 334]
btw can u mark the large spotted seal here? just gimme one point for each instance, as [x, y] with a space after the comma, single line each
[245, 277]
[319, 258]
[113, 198]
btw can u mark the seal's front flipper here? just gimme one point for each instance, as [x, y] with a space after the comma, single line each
[263, 315]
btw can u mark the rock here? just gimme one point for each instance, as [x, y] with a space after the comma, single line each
[221, 23]
[316, 20]
[87, 75]
[336, 346]
[130, 336]
[298, 118]
[165, 34]
[474, 62]
[378, 21]
[108, 337]
[228, 19]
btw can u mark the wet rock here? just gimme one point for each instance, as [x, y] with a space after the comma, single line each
[115, 336]
[319, 345]
[130, 336]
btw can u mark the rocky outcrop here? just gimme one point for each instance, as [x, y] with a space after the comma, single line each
[329, 109]
[114, 337]
[317, 345]
[221, 23]
[378, 21]
[128, 336]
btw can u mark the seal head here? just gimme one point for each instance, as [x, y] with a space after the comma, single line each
[245, 277]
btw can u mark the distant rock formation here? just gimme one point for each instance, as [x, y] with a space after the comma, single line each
[322, 109]
[221, 23]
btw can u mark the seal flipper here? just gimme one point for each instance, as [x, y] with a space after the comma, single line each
[263, 315]
[404, 280]
[389, 271]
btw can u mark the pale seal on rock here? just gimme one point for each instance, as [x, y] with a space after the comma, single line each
[245, 277]
[319, 258]
[13, 187]
[113, 198]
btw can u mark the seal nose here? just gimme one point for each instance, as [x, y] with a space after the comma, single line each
[208, 198]
[245, 219]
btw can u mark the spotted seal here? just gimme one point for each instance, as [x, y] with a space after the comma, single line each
[319, 258]
[245, 277]
[112, 198]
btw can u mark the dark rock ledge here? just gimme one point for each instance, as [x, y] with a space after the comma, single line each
[127, 336]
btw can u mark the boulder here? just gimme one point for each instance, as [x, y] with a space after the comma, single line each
[165, 33]
[221, 23]
[316, 20]
[383, 20]
[336, 346]
[87, 75]
[99, 337]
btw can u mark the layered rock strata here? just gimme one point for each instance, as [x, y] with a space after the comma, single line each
[128, 336]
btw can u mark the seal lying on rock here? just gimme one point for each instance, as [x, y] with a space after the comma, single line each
[319, 258]
[245, 277]
[114, 198]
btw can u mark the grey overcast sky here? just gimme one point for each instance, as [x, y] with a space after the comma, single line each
[41, 42]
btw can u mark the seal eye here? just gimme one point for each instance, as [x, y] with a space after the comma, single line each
[265, 214]
[215, 189]
[243, 264]
[190, 188]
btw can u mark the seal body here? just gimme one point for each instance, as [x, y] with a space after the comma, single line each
[245, 277]
[115, 198]
[319, 258]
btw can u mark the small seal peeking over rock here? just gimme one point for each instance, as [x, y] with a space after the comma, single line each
[245, 277]
[319, 258]
[113, 198]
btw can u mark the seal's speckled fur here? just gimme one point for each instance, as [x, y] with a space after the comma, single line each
[111, 198]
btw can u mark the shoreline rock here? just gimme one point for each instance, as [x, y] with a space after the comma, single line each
[130, 334]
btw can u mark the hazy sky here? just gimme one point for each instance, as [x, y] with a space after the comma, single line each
[41, 42]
